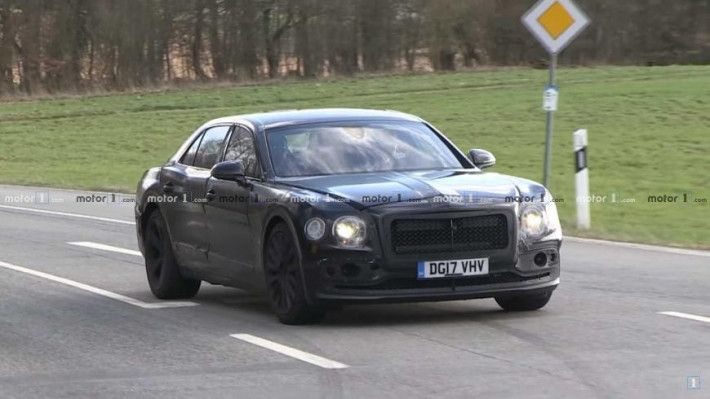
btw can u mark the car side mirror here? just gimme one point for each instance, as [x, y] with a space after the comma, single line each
[229, 170]
[481, 158]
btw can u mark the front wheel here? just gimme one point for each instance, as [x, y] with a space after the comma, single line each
[524, 302]
[164, 276]
[284, 284]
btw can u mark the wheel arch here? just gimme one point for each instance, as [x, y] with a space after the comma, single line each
[275, 216]
[142, 222]
[148, 209]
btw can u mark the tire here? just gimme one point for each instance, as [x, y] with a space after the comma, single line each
[524, 302]
[284, 283]
[162, 269]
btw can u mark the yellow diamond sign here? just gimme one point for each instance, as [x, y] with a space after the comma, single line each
[555, 20]
[555, 23]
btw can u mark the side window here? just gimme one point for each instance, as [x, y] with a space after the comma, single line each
[241, 148]
[189, 157]
[211, 147]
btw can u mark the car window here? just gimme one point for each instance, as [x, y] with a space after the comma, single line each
[211, 147]
[357, 147]
[189, 157]
[241, 148]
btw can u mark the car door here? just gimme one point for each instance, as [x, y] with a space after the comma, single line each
[185, 182]
[232, 242]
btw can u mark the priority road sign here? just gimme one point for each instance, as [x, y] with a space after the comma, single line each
[555, 23]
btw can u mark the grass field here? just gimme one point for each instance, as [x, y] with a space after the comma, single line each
[649, 134]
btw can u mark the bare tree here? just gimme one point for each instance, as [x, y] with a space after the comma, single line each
[58, 45]
[276, 19]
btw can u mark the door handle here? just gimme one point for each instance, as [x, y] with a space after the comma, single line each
[211, 195]
[168, 188]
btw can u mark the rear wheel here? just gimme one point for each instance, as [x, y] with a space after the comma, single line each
[164, 276]
[284, 284]
[524, 302]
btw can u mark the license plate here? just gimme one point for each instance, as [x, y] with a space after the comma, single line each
[452, 268]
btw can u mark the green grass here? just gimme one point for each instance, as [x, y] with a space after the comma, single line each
[649, 134]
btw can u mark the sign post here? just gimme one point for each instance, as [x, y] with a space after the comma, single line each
[550, 106]
[554, 23]
[581, 178]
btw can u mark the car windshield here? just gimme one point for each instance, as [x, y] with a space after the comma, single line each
[338, 148]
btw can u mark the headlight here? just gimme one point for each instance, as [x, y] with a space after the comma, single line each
[540, 220]
[349, 231]
[533, 222]
[553, 220]
[315, 229]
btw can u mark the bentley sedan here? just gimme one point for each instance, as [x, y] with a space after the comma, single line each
[325, 207]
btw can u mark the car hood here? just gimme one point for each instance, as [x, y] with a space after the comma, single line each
[459, 186]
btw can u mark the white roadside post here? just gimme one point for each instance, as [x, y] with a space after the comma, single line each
[581, 178]
[555, 24]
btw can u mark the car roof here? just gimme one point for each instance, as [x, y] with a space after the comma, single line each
[295, 117]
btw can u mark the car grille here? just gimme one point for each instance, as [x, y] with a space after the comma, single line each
[413, 236]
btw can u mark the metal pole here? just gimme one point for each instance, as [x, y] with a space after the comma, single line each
[548, 136]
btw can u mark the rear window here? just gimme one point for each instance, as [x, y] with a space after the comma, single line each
[189, 157]
[211, 147]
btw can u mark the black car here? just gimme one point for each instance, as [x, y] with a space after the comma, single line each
[333, 206]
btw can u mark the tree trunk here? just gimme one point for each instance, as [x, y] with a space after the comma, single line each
[7, 29]
[247, 61]
[196, 49]
[30, 44]
[305, 52]
[272, 39]
[216, 47]
[271, 57]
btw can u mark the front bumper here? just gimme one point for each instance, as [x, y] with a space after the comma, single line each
[343, 276]
[542, 284]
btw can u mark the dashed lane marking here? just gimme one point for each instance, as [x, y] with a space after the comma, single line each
[291, 352]
[96, 290]
[104, 247]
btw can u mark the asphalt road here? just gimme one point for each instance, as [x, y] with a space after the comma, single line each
[78, 321]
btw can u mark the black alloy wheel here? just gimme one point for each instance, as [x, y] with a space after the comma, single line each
[283, 279]
[161, 267]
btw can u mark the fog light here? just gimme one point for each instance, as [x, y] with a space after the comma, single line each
[540, 259]
[315, 229]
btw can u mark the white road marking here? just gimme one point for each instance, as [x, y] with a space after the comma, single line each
[291, 352]
[74, 215]
[104, 247]
[98, 291]
[645, 247]
[687, 316]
